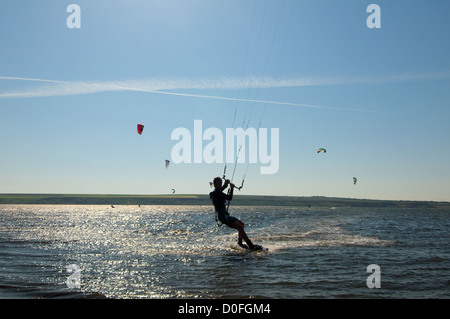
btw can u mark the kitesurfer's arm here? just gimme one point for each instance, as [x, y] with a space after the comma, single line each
[227, 181]
[230, 195]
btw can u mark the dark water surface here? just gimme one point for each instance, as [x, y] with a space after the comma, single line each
[180, 252]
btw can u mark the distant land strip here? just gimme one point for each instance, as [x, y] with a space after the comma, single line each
[203, 200]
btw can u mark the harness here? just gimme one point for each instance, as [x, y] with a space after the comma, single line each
[220, 223]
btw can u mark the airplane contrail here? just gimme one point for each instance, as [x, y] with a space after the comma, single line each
[160, 86]
[259, 101]
[62, 88]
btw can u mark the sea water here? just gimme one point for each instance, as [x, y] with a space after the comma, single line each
[55, 251]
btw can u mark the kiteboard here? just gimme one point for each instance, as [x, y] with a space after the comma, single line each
[256, 248]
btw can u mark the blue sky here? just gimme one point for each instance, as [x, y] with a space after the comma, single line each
[376, 99]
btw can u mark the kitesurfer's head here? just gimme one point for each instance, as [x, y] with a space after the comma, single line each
[217, 182]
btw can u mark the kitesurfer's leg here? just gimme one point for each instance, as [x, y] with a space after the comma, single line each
[239, 226]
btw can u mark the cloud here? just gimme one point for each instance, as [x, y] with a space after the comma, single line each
[49, 88]
[59, 88]
[163, 86]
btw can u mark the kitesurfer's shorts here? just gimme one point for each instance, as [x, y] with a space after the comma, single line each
[227, 219]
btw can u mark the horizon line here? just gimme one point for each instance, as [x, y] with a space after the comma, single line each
[206, 194]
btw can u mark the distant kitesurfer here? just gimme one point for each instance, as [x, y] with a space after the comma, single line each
[219, 201]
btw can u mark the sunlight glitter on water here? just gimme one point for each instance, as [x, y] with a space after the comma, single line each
[178, 251]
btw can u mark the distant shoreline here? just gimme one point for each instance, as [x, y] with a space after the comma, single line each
[203, 199]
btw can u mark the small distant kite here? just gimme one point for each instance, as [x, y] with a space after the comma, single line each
[211, 184]
[173, 191]
[140, 128]
[322, 149]
[354, 180]
[167, 163]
